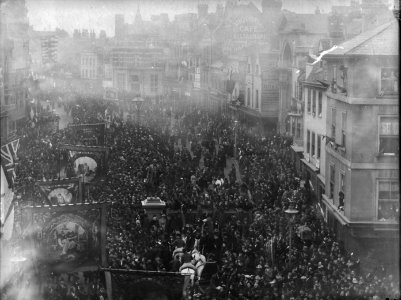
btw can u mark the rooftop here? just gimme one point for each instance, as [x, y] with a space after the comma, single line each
[382, 40]
[310, 23]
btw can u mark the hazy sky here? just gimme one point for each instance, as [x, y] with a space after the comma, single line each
[99, 14]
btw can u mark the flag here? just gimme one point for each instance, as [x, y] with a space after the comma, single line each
[8, 160]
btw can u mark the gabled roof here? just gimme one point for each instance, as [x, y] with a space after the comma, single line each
[315, 75]
[382, 40]
[309, 23]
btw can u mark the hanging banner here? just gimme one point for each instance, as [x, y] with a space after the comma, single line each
[67, 237]
[57, 192]
[87, 161]
[88, 134]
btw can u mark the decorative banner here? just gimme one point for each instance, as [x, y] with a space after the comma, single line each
[66, 238]
[59, 192]
[87, 161]
[88, 134]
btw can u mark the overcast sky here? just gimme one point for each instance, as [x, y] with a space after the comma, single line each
[99, 14]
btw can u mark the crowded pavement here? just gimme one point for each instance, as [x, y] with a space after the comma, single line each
[199, 150]
[219, 208]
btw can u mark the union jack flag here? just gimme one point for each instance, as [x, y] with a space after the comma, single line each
[8, 160]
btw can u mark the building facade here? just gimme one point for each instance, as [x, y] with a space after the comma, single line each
[362, 151]
[14, 68]
[314, 129]
[90, 65]
[138, 71]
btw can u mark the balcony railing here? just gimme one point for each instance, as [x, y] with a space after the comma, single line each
[7, 108]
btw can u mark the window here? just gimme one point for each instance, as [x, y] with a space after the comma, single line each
[320, 104]
[335, 73]
[257, 70]
[309, 100]
[249, 68]
[299, 123]
[293, 121]
[342, 182]
[388, 200]
[341, 193]
[389, 81]
[314, 103]
[388, 140]
[308, 142]
[343, 128]
[154, 83]
[257, 99]
[313, 143]
[332, 180]
[333, 123]
[249, 97]
[121, 81]
[319, 141]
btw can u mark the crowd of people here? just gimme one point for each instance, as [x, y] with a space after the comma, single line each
[218, 209]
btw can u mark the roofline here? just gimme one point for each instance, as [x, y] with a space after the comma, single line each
[336, 56]
[318, 85]
[372, 35]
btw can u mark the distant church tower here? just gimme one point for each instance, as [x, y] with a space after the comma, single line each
[138, 17]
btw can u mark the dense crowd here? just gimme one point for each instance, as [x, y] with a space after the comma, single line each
[213, 214]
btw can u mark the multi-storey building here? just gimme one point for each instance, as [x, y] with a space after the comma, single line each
[14, 68]
[300, 33]
[91, 62]
[14, 71]
[362, 151]
[314, 128]
[138, 71]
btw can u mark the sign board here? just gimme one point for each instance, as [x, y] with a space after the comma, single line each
[242, 30]
[110, 94]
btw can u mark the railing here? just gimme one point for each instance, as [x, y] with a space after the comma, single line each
[7, 108]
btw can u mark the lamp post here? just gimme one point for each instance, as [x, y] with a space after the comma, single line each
[291, 212]
[82, 176]
[138, 101]
[235, 139]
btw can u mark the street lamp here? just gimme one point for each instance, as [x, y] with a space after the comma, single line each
[82, 176]
[235, 139]
[138, 101]
[291, 212]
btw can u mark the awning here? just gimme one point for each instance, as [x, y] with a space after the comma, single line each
[297, 148]
[311, 166]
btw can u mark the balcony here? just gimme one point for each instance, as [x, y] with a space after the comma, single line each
[5, 109]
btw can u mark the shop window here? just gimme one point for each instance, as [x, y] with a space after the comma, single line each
[388, 200]
[389, 139]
